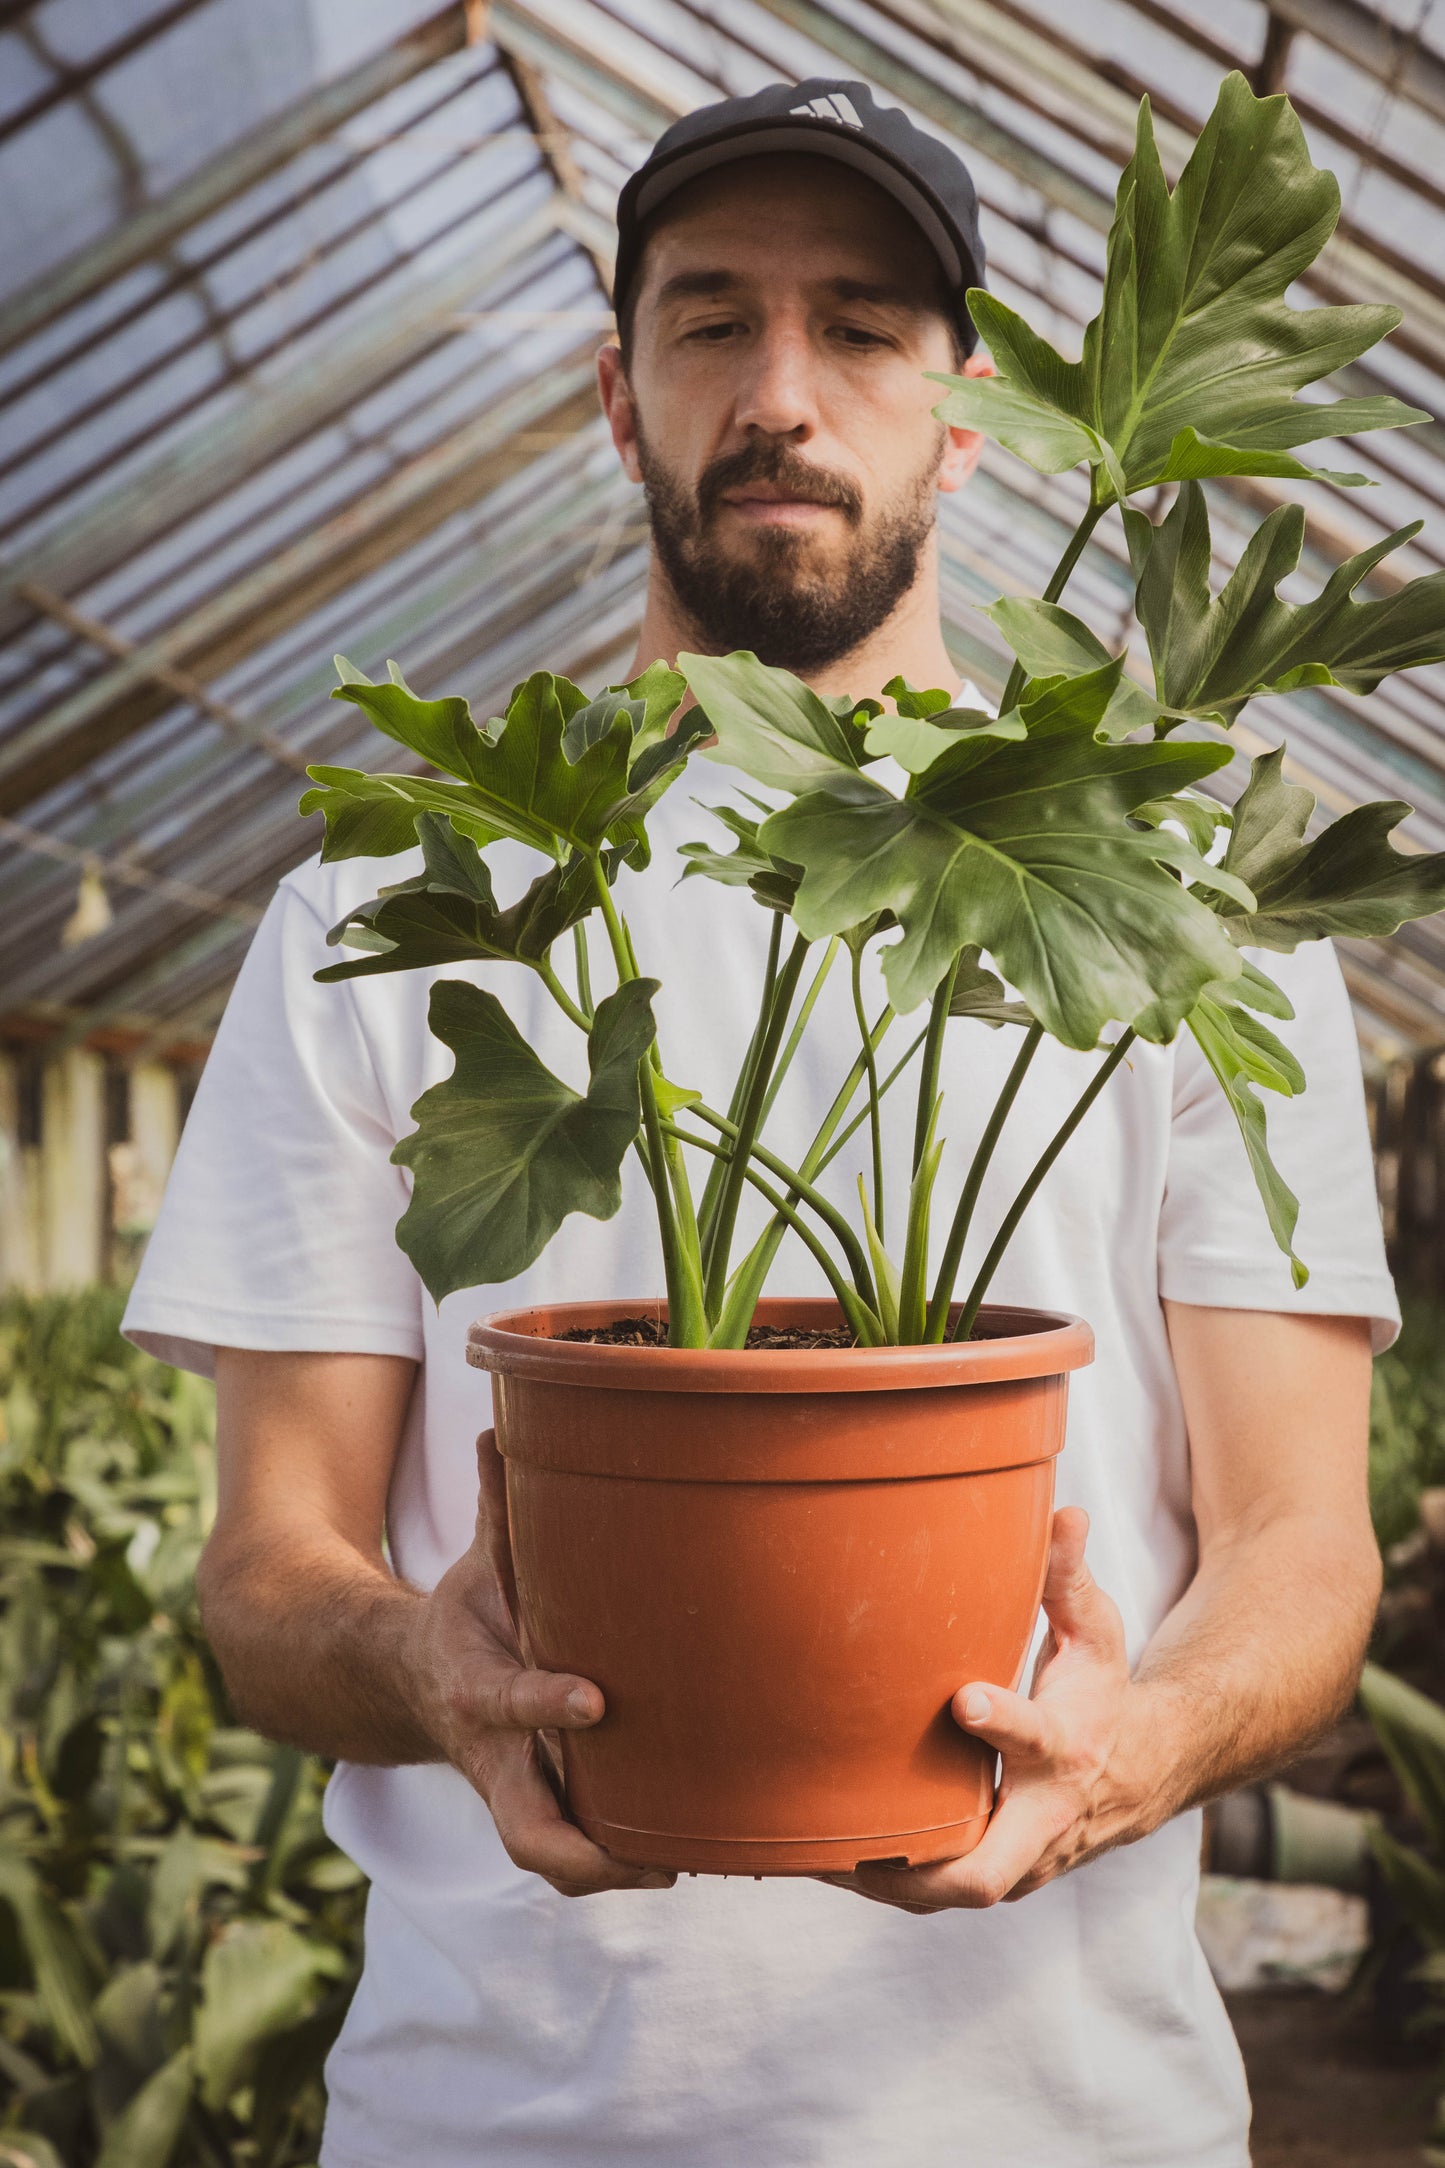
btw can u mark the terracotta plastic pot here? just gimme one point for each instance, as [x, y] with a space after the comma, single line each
[779, 1567]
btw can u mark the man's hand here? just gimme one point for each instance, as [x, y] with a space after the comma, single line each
[1058, 1802]
[486, 1708]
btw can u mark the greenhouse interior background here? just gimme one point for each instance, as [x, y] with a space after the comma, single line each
[298, 307]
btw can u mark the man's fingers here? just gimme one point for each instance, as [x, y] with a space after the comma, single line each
[523, 1700]
[1017, 1837]
[539, 1838]
[1022, 1730]
[1076, 1607]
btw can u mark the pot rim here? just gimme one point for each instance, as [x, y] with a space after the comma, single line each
[1024, 1343]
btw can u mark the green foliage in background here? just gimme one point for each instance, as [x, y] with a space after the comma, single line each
[1407, 1424]
[178, 1939]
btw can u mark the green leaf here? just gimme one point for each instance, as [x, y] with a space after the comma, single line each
[441, 731]
[916, 743]
[1025, 850]
[1411, 1729]
[1349, 881]
[447, 916]
[1200, 818]
[979, 994]
[57, 1960]
[258, 1977]
[503, 1150]
[1417, 1884]
[769, 723]
[1242, 1052]
[1211, 656]
[885, 1272]
[148, 2129]
[773, 882]
[1052, 642]
[524, 782]
[188, 1864]
[916, 701]
[375, 816]
[1194, 362]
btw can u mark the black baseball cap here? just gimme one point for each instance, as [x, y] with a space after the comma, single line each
[830, 119]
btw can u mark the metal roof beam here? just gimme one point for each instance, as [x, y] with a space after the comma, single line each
[1396, 57]
[221, 453]
[228, 175]
[284, 588]
[179, 682]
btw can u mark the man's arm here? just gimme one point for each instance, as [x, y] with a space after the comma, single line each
[1260, 1654]
[321, 1644]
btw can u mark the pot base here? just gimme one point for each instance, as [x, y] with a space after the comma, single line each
[779, 1856]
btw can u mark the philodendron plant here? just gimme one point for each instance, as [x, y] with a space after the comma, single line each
[1052, 868]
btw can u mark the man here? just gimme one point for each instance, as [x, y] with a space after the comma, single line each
[790, 266]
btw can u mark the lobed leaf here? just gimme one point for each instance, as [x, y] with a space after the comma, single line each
[503, 1150]
[1194, 363]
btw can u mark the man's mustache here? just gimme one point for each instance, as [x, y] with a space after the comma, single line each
[781, 465]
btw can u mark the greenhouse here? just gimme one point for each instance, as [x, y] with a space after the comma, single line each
[300, 308]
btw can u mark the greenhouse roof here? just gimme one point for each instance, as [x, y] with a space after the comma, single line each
[297, 315]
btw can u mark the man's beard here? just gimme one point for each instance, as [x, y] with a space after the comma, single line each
[765, 596]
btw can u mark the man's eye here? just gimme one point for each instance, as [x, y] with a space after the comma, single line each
[714, 334]
[855, 335]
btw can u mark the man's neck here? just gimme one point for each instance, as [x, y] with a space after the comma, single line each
[909, 643]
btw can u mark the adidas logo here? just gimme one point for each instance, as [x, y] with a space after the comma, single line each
[836, 107]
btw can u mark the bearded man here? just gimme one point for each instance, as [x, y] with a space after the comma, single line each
[789, 267]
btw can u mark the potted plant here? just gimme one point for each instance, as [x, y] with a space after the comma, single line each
[717, 1501]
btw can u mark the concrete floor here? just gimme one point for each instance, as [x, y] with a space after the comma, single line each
[1324, 2094]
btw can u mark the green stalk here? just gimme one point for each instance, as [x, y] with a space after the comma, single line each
[870, 1064]
[859, 1314]
[856, 1074]
[686, 1317]
[740, 1299]
[561, 996]
[712, 1188]
[1059, 580]
[968, 1316]
[913, 1277]
[795, 1036]
[719, 1240]
[932, 1062]
[584, 967]
[800, 1187]
[937, 1326]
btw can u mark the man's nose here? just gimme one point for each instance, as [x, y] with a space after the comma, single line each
[776, 394]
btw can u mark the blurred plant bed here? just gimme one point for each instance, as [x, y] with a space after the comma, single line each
[178, 1937]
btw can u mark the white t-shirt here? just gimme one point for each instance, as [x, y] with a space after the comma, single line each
[727, 2021]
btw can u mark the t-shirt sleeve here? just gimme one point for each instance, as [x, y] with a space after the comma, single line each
[1215, 1245]
[277, 1230]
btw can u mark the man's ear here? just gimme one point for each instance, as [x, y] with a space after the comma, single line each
[615, 393]
[960, 455]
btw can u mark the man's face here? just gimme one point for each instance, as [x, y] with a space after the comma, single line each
[776, 409]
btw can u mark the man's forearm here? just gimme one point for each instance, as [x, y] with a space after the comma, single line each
[316, 1644]
[1259, 1656]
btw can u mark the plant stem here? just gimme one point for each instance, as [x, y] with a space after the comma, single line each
[561, 996]
[1058, 581]
[854, 1078]
[937, 1324]
[870, 1064]
[800, 1186]
[858, 1313]
[719, 1240]
[968, 1316]
[795, 1036]
[932, 1062]
[686, 1317]
[584, 966]
[712, 1188]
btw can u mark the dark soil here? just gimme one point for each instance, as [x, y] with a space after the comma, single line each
[650, 1332]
